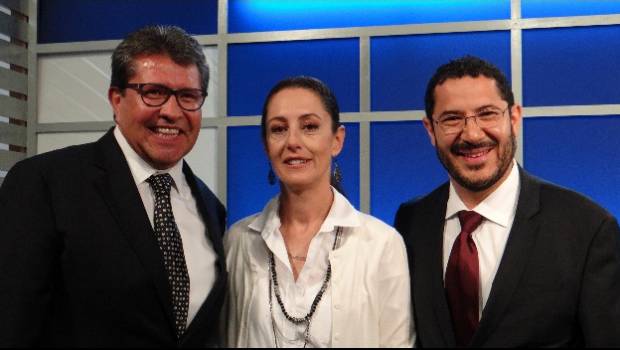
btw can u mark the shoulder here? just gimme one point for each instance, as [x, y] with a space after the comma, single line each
[55, 163]
[438, 196]
[239, 232]
[570, 204]
[422, 207]
[376, 232]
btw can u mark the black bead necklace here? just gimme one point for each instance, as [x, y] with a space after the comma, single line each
[274, 288]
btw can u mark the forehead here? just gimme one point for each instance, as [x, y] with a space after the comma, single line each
[295, 102]
[466, 93]
[162, 69]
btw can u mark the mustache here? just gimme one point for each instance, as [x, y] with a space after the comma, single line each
[468, 146]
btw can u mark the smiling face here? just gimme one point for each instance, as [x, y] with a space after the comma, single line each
[299, 140]
[162, 135]
[477, 159]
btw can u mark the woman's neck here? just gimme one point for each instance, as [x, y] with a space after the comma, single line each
[307, 207]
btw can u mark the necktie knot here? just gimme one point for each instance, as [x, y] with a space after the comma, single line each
[470, 220]
[161, 183]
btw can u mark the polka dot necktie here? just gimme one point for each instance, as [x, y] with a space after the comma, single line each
[462, 280]
[171, 247]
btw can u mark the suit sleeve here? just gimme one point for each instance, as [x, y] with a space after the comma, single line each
[599, 309]
[28, 256]
[399, 219]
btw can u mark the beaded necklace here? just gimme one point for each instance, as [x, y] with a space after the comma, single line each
[274, 288]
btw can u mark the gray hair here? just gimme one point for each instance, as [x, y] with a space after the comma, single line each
[172, 41]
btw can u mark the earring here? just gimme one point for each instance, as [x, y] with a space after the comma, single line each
[337, 172]
[271, 177]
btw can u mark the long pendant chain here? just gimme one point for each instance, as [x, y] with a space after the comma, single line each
[274, 288]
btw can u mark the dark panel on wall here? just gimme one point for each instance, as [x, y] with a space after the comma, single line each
[580, 153]
[403, 166]
[79, 20]
[402, 66]
[269, 15]
[248, 166]
[571, 66]
[563, 8]
[253, 69]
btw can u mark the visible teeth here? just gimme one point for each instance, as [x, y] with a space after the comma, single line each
[296, 162]
[167, 131]
[475, 155]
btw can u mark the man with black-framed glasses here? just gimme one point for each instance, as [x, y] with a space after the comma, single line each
[118, 243]
[499, 258]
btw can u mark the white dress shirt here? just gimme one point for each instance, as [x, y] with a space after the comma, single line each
[367, 303]
[498, 211]
[200, 256]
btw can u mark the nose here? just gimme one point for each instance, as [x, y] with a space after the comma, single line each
[171, 109]
[293, 140]
[471, 130]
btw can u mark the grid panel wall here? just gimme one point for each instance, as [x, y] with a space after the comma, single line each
[394, 154]
[14, 80]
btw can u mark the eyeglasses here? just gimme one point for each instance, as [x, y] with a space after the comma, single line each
[452, 123]
[156, 95]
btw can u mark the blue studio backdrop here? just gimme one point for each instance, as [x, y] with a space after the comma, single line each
[378, 58]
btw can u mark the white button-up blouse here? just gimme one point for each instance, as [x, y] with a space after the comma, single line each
[367, 303]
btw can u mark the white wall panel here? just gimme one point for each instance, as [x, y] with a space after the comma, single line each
[203, 158]
[74, 88]
[53, 141]
[209, 109]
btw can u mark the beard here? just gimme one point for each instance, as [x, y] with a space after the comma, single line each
[506, 156]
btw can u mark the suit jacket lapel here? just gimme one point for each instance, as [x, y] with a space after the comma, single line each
[214, 230]
[209, 211]
[520, 241]
[118, 189]
[430, 261]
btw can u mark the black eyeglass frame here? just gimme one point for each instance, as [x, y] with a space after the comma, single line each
[464, 118]
[139, 88]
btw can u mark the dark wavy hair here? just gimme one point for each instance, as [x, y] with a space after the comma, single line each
[470, 66]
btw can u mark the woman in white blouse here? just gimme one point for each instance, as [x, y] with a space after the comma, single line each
[310, 270]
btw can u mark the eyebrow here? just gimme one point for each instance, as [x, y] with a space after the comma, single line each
[477, 109]
[303, 116]
[309, 115]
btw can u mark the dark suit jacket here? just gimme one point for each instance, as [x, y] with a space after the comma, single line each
[558, 283]
[79, 262]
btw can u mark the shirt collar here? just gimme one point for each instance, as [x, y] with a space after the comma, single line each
[341, 214]
[498, 207]
[140, 169]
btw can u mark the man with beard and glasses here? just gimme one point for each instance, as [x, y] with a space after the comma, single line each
[500, 258]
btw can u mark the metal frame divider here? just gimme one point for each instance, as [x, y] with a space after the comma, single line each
[365, 117]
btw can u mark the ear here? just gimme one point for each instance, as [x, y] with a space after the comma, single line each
[338, 142]
[516, 117]
[430, 130]
[115, 98]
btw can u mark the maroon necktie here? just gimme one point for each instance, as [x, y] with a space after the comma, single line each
[462, 280]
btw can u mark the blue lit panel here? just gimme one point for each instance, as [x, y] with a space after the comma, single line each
[253, 69]
[402, 66]
[248, 166]
[571, 66]
[79, 20]
[564, 8]
[270, 15]
[580, 153]
[403, 166]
